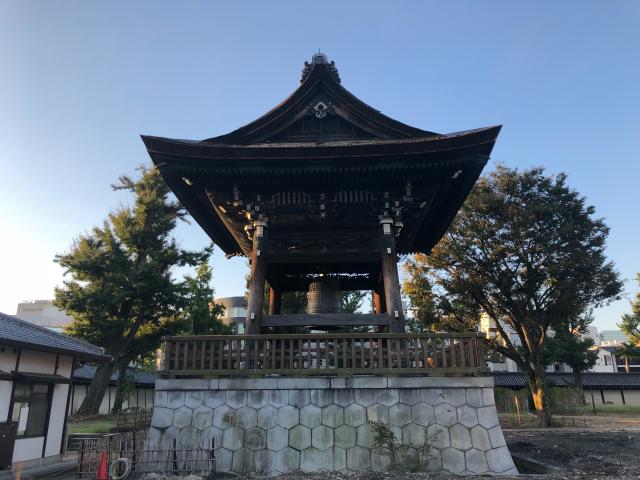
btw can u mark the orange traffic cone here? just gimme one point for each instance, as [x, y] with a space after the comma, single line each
[103, 473]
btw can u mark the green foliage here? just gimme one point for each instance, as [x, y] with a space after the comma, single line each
[401, 455]
[628, 351]
[508, 401]
[526, 251]
[352, 301]
[566, 400]
[569, 345]
[200, 315]
[119, 288]
[630, 324]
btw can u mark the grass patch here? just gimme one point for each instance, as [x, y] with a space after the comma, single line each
[92, 425]
[613, 409]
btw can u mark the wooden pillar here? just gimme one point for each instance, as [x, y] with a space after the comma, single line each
[275, 301]
[379, 304]
[255, 300]
[390, 277]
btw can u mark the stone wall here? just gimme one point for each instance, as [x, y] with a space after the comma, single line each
[278, 425]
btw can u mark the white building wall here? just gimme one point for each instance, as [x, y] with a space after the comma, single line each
[27, 449]
[56, 420]
[5, 399]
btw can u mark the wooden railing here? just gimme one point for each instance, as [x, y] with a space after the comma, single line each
[322, 354]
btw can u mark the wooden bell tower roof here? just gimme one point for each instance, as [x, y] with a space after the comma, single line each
[325, 165]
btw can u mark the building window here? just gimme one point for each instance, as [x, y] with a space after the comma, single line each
[31, 408]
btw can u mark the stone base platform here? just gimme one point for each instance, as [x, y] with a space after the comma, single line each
[269, 426]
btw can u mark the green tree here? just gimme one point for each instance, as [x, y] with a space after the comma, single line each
[628, 351]
[571, 346]
[119, 287]
[351, 301]
[630, 324]
[201, 315]
[526, 251]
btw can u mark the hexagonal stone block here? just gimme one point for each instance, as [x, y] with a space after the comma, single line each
[423, 414]
[413, 435]
[168, 436]
[400, 414]
[194, 398]
[344, 436]
[311, 416]
[476, 461]
[380, 460]
[496, 437]
[333, 415]
[257, 398]
[265, 462]
[499, 460]
[433, 460]
[300, 437]
[344, 397]
[358, 458]
[460, 437]
[287, 460]
[236, 398]
[455, 396]
[162, 417]
[267, 417]
[202, 417]
[244, 461]
[488, 397]
[314, 460]
[182, 417]
[488, 417]
[278, 398]
[288, 416]
[224, 416]
[255, 439]
[480, 438]
[365, 436]
[224, 460]
[211, 438]
[160, 399]
[467, 416]
[322, 398]
[432, 396]
[445, 414]
[213, 398]
[188, 437]
[233, 438]
[387, 398]
[355, 415]
[339, 459]
[409, 396]
[378, 413]
[246, 417]
[322, 437]
[299, 398]
[277, 438]
[175, 399]
[474, 397]
[453, 460]
[439, 436]
[366, 397]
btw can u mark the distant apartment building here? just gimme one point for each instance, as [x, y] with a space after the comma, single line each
[235, 312]
[43, 313]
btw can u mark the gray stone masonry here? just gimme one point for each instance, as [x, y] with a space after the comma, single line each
[270, 426]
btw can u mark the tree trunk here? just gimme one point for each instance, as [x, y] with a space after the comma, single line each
[538, 387]
[577, 380]
[97, 388]
[626, 364]
[120, 386]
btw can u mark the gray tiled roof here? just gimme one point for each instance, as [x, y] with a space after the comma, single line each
[604, 381]
[85, 373]
[14, 331]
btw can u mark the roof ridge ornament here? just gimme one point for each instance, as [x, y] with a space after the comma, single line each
[319, 59]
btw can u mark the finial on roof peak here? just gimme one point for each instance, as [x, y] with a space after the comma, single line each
[319, 59]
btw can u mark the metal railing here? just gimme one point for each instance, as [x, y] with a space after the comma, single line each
[322, 354]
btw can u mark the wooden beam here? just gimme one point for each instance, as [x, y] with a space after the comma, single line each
[275, 301]
[325, 320]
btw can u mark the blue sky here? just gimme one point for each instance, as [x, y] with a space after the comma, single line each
[80, 81]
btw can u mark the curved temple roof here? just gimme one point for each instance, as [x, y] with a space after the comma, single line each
[321, 136]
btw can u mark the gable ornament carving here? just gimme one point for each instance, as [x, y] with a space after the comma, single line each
[321, 109]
